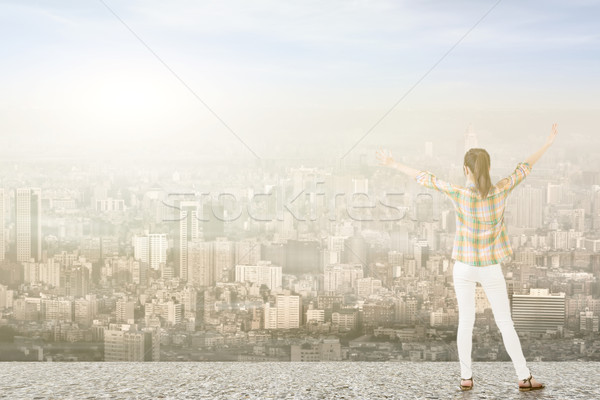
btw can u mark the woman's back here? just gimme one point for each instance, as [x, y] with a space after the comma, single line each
[481, 237]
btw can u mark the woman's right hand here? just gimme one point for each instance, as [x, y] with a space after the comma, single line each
[552, 135]
[385, 158]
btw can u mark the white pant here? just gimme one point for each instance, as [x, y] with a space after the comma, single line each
[492, 280]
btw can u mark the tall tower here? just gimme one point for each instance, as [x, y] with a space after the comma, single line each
[188, 231]
[28, 228]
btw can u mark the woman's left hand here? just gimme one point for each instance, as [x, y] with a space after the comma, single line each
[384, 157]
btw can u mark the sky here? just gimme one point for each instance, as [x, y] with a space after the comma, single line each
[287, 78]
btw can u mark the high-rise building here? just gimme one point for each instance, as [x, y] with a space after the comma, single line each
[288, 312]
[139, 273]
[151, 249]
[124, 310]
[345, 319]
[285, 314]
[201, 271]
[190, 302]
[262, 274]
[538, 311]
[188, 231]
[50, 272]
[75, 280]
[28, 226]
[269, 316]
[174, 313]
[405, 310]
[588, 321]
[421, 253]
[6, 297]
[578, 219]
[57, 309]
[84, 311]
[314, 315]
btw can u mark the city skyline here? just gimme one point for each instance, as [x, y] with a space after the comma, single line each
[198, 181]
[135, 264]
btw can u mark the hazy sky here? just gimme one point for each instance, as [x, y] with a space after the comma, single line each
[73, 79]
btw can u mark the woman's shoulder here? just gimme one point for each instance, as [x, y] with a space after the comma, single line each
[503, 184]
[471, 191]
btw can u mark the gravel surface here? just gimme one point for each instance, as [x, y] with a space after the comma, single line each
[327, 380]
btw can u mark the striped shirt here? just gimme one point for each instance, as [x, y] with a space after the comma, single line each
[481, 237]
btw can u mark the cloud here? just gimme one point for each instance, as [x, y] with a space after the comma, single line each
[282, 68]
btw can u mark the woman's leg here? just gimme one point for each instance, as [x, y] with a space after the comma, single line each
[493, 283]
[464, 286]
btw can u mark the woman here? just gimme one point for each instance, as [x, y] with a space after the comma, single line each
[480, 244]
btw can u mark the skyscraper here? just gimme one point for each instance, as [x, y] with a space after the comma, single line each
[188, 231]
[28, 228]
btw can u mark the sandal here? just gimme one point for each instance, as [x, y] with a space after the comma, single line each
[463, 387]
[530, 387]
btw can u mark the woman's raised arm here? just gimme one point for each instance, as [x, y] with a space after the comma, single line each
[532, 159]
[386, 159]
